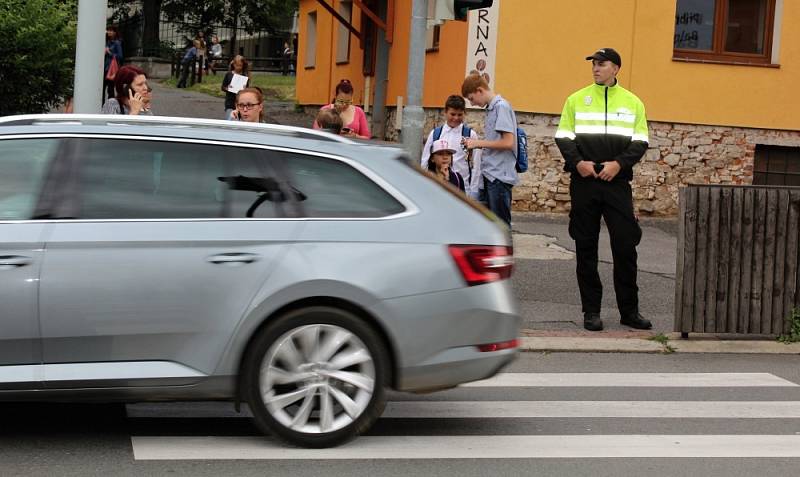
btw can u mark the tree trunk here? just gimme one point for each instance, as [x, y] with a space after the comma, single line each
[152, 18]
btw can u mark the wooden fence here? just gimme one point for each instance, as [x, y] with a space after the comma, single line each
[737, 269]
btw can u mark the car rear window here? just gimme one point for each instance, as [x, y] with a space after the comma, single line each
[332, 188]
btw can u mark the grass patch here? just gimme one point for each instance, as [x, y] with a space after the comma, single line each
[275, 87]
[794, 328]
[663, 340]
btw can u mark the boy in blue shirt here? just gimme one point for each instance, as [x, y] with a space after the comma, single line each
[499, 157]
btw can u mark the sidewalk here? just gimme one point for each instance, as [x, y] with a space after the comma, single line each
[169, 101]
[544, 275]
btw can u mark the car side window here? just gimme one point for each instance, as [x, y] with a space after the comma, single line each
[332, 188]
[138, 179]
[23, 163]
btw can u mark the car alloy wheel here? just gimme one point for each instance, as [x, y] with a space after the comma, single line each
[319, 381]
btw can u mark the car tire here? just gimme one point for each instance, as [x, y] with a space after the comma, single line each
[316, 377]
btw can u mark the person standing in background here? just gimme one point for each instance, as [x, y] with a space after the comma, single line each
[467, 164]
[238, 66]
[113, 52]
[353, 117]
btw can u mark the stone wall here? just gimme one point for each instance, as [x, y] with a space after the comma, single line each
[679, 154]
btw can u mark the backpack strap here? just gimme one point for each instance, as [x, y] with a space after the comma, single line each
[437, 132]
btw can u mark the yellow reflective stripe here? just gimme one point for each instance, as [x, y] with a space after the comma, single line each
[593, 129]
[565, 134]
[619, 117]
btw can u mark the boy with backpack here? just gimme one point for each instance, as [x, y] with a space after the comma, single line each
[466, 164]
[504, 146]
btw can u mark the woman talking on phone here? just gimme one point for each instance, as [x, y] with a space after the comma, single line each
[249, 106]
[132, 93]
[353, 117]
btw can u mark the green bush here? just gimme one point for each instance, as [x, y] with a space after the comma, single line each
[37, 54]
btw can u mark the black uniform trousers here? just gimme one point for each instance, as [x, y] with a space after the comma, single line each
[591, 199]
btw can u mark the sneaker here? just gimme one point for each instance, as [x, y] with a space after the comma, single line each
[636, 320]
[592, 322]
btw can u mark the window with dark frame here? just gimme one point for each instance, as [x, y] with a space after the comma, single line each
[343, 34]
[432, 38]
[776, 165]
[728, 31]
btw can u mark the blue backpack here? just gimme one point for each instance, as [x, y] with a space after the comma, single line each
[522, 151]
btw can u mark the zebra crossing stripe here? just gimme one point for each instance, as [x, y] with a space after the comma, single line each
[593, 409]
[659, 380]
[519, 409]
[475, 447]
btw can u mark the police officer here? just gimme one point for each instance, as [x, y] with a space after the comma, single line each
[602, 135]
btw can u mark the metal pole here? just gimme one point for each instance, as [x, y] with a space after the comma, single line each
[89, 56]
[381, 77]
[413, 114]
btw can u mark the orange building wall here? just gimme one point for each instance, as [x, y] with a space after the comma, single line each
[541, 46]
[316, 85]
[444, 69]
[642, 31]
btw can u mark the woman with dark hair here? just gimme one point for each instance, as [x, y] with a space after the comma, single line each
[113, 51]
[132, 93]
[249, 106]
[238, 66]
[353, 117]
[441, 161]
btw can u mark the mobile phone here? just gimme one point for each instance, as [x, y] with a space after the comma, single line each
[346, 130]
[126, 88]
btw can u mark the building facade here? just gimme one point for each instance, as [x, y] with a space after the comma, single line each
[717, 78]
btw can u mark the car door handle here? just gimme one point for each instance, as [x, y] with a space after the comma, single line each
[223, 258]
[8, 262]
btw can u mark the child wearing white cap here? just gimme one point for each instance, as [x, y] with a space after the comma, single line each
[441, 161]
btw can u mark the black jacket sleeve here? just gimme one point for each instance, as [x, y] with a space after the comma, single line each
[632, 154]
[572, 156]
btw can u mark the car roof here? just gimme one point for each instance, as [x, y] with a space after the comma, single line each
[192, 128]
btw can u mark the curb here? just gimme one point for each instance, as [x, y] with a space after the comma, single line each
[561, 344]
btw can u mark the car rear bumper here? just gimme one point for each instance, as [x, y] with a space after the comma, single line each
[435, 336]
[453, 367]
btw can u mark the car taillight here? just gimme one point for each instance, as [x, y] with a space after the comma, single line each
[483, 263]
[492, 347]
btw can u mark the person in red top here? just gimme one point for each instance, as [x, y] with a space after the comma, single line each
[353, 117]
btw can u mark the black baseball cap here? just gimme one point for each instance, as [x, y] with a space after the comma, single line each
[606, 54]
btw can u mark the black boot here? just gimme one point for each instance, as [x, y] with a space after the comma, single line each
[636, 320]
[592, 322]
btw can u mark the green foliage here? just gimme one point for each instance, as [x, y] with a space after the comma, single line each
[252, 15]
[663, 340]
[275, 87]
[794, 328]
[37, 54]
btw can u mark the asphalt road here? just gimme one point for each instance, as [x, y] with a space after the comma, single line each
[576, 414]
[547, 289]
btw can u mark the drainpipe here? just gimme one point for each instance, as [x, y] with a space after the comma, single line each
[381, 79]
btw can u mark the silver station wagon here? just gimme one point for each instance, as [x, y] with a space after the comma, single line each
[164, 259]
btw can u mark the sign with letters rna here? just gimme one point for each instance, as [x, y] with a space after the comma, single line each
[482, 42]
